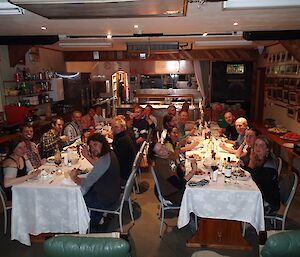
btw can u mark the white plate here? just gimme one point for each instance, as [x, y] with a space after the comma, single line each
[248, 175]
[289, 145]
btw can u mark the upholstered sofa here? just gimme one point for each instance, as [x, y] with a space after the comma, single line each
[79, 246]
[285, 243]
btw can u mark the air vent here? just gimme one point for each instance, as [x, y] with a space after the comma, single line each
[170, 46]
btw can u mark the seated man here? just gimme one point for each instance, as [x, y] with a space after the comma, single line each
[140, 126]
[53, 138]
[185, 128]
[102, 186]
[230, 130]
[241, 125]
[170, 176]
[73, 129]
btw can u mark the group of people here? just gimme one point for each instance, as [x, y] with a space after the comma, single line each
[253, 150]
[112, 164]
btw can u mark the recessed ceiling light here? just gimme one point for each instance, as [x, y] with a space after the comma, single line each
[109, 36]
[136, 26]
[235, 23]
[204, 34]
[43, 28]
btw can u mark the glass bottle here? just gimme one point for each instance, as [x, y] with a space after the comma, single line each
[57, 156]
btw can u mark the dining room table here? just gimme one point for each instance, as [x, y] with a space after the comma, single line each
[221, 205]
[51, 202]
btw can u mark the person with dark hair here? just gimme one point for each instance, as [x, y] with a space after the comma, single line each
[53, 138]
[150, 118]
[102, 186]
[123, 147]
[16, 166]
[263, 169]
[230, 130]
[170, 176]
[244, 151]
[171, 110]
[140, 126]
[169, 121]
[73, 129]
[32, 151]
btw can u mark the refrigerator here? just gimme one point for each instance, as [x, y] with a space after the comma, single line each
[77, 90]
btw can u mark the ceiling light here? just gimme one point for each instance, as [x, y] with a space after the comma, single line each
[223, 43]
[136, 26]
[109, 36]
[43, 28]
[235, 23]
[85, 44]
[204, 34]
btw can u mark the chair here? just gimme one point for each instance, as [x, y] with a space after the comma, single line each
[164, 204]
[288, 186]
[279, 165]
[125, 197]
[6, 206]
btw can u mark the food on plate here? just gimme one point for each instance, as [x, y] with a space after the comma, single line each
[278, 130]
[195, 156]
[200, 172]
[291, 136]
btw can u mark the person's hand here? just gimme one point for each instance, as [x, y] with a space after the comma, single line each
[73, 174]
[43, 161]
[85, 151]
[34, 173]
[222, 145]
[64, 138]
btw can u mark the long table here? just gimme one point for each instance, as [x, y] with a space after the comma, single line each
[51, 204]
[222, 206]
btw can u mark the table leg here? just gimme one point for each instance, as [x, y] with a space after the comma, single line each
[216, 233]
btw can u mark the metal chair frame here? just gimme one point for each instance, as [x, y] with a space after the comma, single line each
[125, 197]
[286, 205]
[6, 207]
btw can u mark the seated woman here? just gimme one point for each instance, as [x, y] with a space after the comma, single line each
[16, 166]
[171, 179]
[262, 167]
[174, 146]
[102, 186]
[32, 151]
[169, 121]
[244, 151]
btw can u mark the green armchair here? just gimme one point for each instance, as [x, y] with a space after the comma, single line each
[286, 243]
[79, 246]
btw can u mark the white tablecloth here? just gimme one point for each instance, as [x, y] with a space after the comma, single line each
[219, 200]
[42, 206]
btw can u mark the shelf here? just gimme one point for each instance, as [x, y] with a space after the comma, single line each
[26, 81]
[28, 95]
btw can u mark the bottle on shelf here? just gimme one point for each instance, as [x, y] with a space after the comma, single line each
[57, 155]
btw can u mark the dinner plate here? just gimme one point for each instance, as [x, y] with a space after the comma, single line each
[246, 177]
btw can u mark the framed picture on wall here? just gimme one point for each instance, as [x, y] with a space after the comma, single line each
[285, 96]
[291, 112]
[293, 98]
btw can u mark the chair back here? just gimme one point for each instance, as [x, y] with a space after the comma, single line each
[129, 185]
[160, 197]
[288, 188]
[279, 165]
